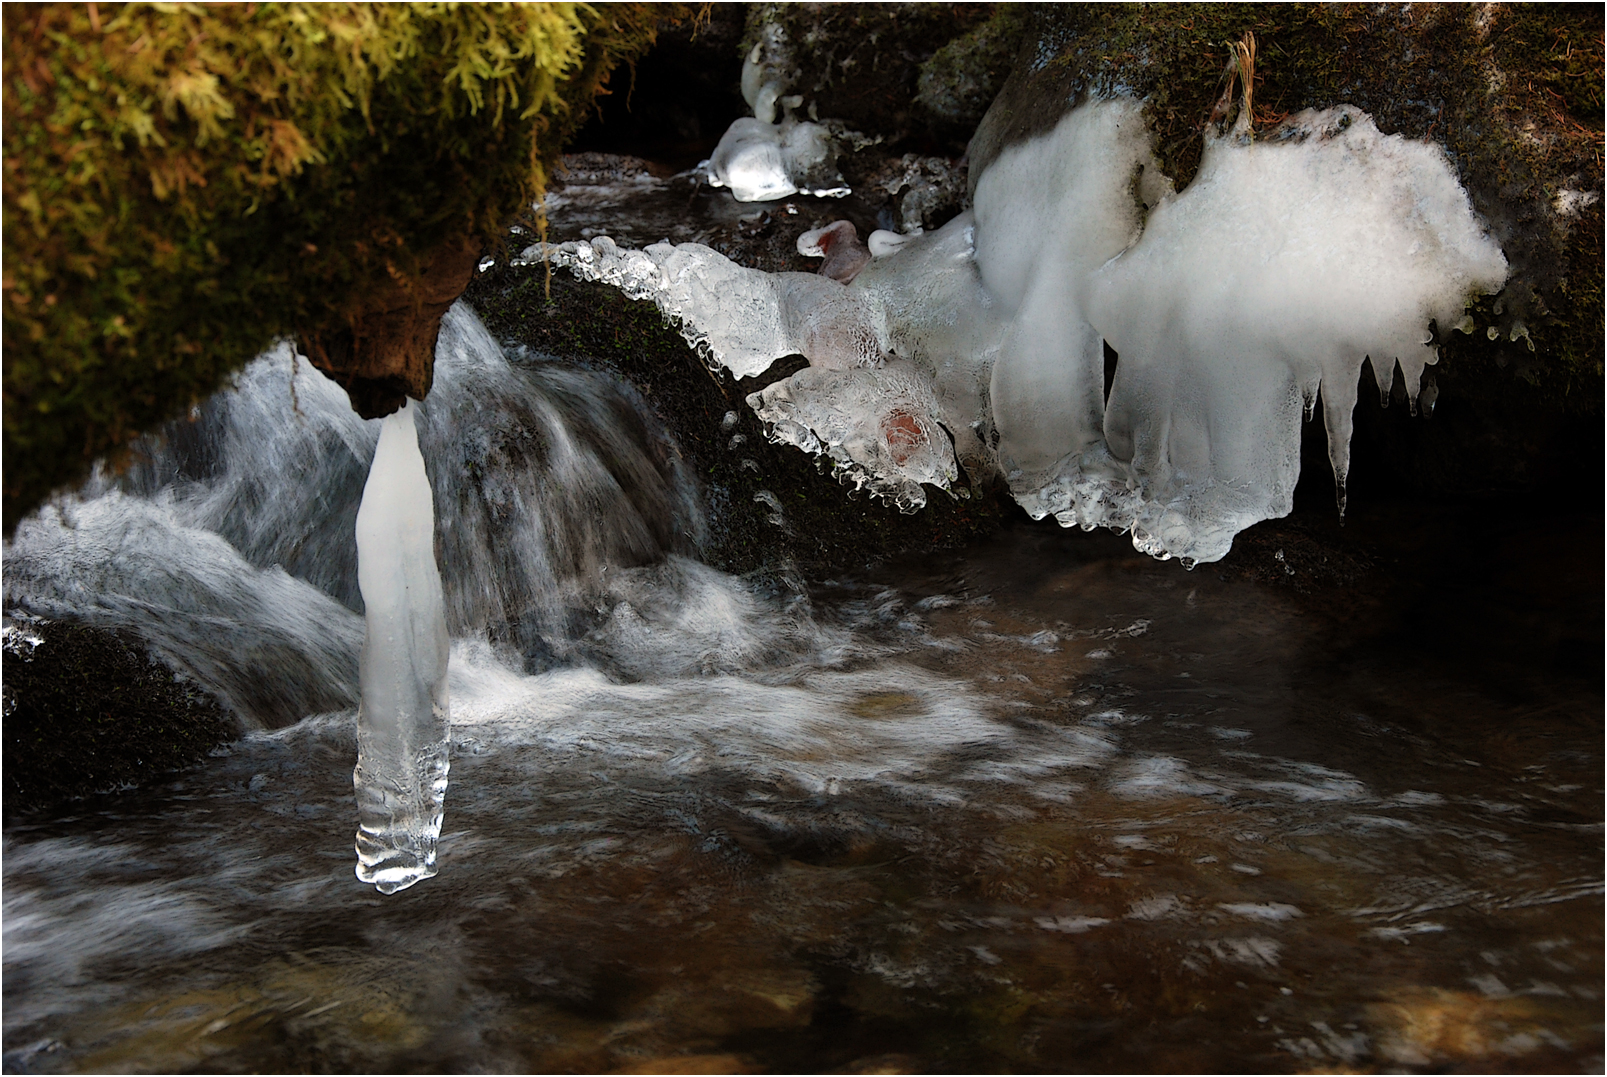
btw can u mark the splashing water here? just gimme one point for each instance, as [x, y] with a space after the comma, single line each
[1038, 802]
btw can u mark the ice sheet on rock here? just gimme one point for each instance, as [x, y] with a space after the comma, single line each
[928, 190]
[403, 722]
[881, 429]
[741, 319]
[939, 331]
[762, 161]
[729, 314]
[1049, 212]
[1287, 262]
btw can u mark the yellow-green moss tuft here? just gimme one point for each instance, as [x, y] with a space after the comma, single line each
[183, 184]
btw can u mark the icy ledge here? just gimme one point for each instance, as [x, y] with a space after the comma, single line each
[1289, 261]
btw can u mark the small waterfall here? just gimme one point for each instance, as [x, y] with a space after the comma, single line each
[228, 543]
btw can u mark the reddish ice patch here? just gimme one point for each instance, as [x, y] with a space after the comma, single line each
[903, 435]
[839, 244]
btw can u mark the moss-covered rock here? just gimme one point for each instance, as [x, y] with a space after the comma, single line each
[184, 184]
[960, 80]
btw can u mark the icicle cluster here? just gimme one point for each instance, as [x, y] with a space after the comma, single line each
[1289, 261]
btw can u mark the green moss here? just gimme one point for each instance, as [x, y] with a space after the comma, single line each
[184, 184]
[961, 79]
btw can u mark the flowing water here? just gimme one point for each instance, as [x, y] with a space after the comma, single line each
[1043, 804]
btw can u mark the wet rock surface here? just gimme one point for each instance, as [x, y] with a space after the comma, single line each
[87, 709]
[768, 505]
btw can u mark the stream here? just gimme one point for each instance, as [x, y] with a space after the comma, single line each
[1043, 804]
[1040, 804]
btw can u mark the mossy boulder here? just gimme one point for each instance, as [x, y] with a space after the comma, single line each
[183, 185]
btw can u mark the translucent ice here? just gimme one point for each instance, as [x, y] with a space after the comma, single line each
[1290, 260]
[881, 429]
[929, 296]
[898, 361]
[402, 725]
[741, 319]
[763, 161]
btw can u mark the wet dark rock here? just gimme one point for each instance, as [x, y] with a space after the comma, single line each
[871, 65]
[87, 709]
[927, 192]
[769, 505]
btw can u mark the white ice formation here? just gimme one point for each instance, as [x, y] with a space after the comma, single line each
[761, 159]
[1291, 259]
[840, 247]
[403, 722]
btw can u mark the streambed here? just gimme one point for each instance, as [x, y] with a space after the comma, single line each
[1041, 805]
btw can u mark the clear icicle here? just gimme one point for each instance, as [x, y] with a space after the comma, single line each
[402, 725]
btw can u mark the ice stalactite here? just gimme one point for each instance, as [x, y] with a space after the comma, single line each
[1289, 261]
[403, 722]
[1049, 213]
[1292, 258]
